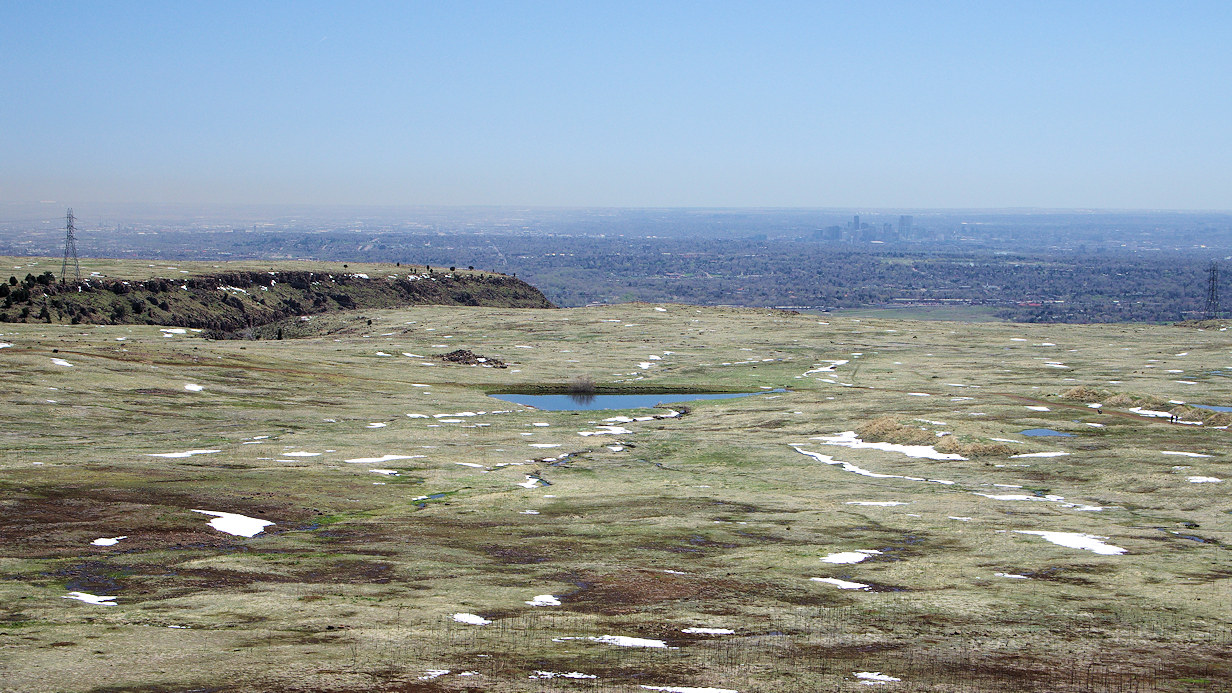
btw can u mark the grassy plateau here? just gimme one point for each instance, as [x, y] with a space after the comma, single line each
[428, 537]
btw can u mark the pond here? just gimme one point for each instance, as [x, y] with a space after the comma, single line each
[1045, 432]
[1211, 407]
[589, 402]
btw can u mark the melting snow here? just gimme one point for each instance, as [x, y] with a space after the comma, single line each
[61, 362]
[544, 600]
[108, 541]
[1204, 480]
[850, 556]
[1038, 408]
[689, 689]
[1149, 412]
[301, 454]
[377, 425]
[432, 674]
[876, 678]
[708, 631]
[383, 458]
[554, 675]
[1075, 540]
[1182, 454]
[606, 431]
[882, 504]
[626, 641]
[1011, 576]
[848, 467]
[1040, 454]
[848, 439]
[471, 619]
[91, 599]
[187, 453]
[842, 584]
[193, 387]
[239, 525]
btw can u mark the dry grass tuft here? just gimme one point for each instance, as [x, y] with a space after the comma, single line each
[885, 429]
[951, 444]
[1082, 393]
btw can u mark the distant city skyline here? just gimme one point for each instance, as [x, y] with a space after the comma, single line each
[877, 106]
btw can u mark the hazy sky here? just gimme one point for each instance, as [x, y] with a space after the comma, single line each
[814, 104]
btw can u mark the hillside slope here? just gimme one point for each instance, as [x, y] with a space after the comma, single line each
[234, 300]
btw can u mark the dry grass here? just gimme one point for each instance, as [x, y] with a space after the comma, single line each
[886, 429]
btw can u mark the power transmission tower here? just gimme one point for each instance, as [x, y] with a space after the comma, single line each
[1212, 293]
[70, 250]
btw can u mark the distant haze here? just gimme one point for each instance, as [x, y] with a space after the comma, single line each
[846, 105]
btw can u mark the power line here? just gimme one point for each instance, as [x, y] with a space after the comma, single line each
[70, 249]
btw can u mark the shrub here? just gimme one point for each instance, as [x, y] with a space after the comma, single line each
[582, 385]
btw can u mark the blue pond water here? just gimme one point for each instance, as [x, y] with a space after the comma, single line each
[1045, 432]
[579, 402]
[1211, 407]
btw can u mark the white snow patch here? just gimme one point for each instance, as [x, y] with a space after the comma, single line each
[626, 641]
[708, 631]
[91, 598]
[1074, 540]
[382, 458]
[472, 619]
[606, 431]
[301, 454]
[1040, 454]
[544, 600]
[186, 453]
[1011, 576]
[1006, 440]
[880, 504]
[1152, 413]
[239, 525]
[545, 445]
[960, 519]
[554, 675]
[848, 467]
[918, 394]
[842, 584]
[1182, 454]
[848, 439]
[688, 689]
[377, 424]
[1038, 408]
[876, 678]
[193, 387]
[850, 556]
[386, 472]
[108, 541]
[1204, 480]
[61, 362]
[433, 674]
[827, 369]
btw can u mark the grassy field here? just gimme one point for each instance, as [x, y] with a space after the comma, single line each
[406, 502]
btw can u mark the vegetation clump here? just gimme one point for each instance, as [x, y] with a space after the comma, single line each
[1082, 393]
[885, 429]
[467, 357]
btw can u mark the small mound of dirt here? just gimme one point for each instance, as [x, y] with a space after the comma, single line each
[467, 357]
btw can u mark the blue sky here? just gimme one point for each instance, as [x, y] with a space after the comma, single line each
[783, 104]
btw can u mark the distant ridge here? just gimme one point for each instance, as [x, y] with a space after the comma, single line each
[235, 300]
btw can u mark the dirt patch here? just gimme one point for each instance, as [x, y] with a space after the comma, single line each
[467, 357]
